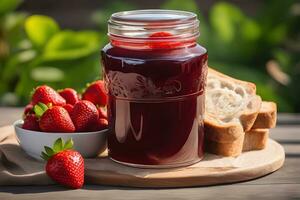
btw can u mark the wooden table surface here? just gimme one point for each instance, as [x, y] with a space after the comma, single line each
[283, 184]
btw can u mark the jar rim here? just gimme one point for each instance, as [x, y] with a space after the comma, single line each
[144, 17]
[139, 24]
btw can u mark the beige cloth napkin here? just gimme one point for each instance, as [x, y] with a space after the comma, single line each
[16, 167]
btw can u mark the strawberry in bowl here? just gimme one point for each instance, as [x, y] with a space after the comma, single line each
[62, 114]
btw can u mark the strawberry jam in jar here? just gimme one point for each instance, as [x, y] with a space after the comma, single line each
[155, 74]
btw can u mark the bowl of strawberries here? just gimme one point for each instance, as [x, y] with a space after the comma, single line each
[65, 114]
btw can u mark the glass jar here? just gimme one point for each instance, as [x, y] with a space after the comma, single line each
[155, 74]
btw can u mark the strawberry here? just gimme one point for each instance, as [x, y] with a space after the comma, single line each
[160, 34]
[102, 123]
[84, 115]
[96, 93]
[70, 95]
[28, 109]
[64, 165]
[156, 42]
[102, 112]
[31, 123]
[54, 118]
[46, 95]
[69, 108]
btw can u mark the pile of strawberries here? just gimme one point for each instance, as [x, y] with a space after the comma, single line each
[67, 111]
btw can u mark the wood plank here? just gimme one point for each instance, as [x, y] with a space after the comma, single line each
[288, 174]
[288, 118]
[278, 191]
[291, 132]
[9, 115]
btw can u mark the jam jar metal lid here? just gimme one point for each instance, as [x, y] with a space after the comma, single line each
[140, 24]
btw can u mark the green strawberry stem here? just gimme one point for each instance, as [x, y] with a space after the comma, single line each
[40, 108]
[58, 146]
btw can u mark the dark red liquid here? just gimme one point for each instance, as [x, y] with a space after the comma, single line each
[156, 104]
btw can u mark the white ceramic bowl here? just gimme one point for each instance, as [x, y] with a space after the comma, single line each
[89, 144]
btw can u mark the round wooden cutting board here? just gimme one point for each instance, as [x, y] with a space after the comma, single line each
[210, 171]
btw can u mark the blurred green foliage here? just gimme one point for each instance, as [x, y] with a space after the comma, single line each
[34, 50]
[241, 46]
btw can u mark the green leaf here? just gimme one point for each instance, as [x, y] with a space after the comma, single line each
[12, 66]
[277, 34]
[225, 19]
[69, 144]
[49, 151]
[44, 156]
[12, 29]
[40, 29]
[43, 106]
[58, 145]
[67, 45]
[39, 109]
[250, 29]
[47, 74]
[8, 5]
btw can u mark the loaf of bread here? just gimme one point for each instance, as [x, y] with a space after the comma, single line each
[236, 119]
[231, 108]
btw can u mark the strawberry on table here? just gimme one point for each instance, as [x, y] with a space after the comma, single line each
[70, 95]
[84, 115]
[46, 95]
[64, 165]
[31, 122]
[96, 93]
[53, 118]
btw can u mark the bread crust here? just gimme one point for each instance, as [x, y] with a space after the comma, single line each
[249, 85]
[222, 133]
[255, 139]
[232, 149]
[267, 116]
[248, 119]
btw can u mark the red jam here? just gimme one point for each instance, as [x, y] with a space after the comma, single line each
[156, 102]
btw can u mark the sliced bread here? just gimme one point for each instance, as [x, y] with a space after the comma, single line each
[231, 107]
[255, 139]
[267, 116]
[233, 148]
